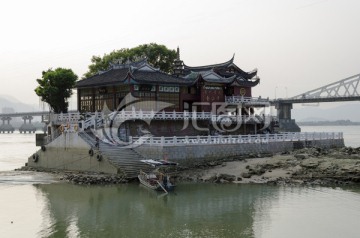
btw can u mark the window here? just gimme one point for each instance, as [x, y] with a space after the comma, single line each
[86, 103]
[169, 89]
[102, 99]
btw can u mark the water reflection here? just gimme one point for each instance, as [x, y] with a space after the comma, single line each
[205, 210]
[309, 212]
[133, 211]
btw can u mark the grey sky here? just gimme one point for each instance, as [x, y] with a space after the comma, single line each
[296, 45]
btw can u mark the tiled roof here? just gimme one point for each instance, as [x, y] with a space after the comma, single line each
[245, 83]
[222, 70]
[143, 73]
[208, 67]
[118, 76]
[210, 76]
[159, 78]
[113, 76]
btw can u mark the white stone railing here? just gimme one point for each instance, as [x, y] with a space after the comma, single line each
[126, 115]
[99, 118]
[235, 139]
[63, 118]
[151, 115]
[247, 100]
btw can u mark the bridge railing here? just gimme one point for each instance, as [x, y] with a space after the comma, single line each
[235, 139]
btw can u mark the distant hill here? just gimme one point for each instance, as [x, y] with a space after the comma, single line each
[312, 119]
[329, 123]
[342, 112]
[11, 102]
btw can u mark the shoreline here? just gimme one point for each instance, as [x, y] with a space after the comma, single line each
[313, 166]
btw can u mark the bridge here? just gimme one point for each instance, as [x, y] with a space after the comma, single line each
[27, 126]
[343, 90]
[27, 117]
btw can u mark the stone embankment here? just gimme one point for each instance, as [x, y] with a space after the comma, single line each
[305, 166]
[82, 178]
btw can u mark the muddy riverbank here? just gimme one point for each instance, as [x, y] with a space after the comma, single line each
[305, 166]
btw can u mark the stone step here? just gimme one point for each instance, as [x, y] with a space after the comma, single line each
[127, 159]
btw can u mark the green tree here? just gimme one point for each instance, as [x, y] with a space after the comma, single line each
[158, 55]
[55, 88]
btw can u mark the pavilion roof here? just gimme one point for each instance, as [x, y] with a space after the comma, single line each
[112, 76]
[222, 69]
[140, 72]
[208, 67]
[131, 73]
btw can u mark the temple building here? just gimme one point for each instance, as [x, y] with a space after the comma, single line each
[211, 83]
[133, 112]
[201, 89]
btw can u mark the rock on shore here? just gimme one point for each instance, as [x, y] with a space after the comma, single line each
[81, 178]
[305, 166]
[93, 179]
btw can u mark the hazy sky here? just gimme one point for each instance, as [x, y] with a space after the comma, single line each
[296, 45]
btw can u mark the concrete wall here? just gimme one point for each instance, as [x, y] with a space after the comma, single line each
[70, 152]
[217, 151]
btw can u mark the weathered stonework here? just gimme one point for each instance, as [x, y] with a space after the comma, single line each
[70, 152]
[218, 151]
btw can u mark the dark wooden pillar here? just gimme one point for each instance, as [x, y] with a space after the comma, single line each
[79, 100]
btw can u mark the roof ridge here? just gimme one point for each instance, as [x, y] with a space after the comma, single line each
[212, 65]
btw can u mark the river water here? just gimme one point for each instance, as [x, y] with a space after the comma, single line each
[35, 205]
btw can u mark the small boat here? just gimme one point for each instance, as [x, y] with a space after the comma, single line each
[156, 180]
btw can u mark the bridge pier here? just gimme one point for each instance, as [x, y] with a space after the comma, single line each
[284, 116]
[27, 127]
[6, 127]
